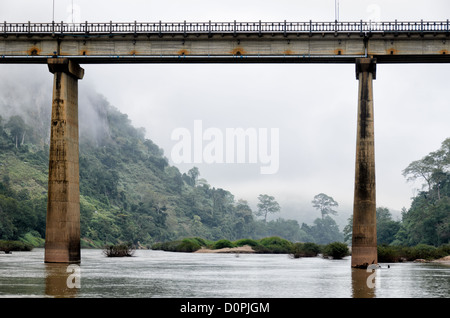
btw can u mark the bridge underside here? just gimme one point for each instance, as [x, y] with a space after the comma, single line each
[226, 48]
[64, 51]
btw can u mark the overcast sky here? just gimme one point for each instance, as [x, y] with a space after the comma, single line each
[313, 106]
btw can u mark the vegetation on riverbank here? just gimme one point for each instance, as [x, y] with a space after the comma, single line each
[335, 250]
[267, 245]
[389, 253]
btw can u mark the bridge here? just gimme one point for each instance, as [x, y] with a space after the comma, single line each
[66, 46]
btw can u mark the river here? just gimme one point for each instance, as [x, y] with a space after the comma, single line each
[195, 275]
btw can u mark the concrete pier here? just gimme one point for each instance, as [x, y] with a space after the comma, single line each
[62, 238]
[364, 239]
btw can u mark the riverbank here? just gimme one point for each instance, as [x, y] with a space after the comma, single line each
[443, 260]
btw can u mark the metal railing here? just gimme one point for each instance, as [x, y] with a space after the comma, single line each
[225, 27]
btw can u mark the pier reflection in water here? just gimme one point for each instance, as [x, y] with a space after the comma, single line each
[364, 283]
[62, 280]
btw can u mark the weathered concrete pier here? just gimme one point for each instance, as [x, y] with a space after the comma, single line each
[62, 238]
[64, 46]
[364, 235]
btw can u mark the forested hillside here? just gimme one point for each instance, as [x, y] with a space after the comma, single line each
[129, 192]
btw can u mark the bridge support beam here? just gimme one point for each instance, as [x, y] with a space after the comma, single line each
[364, 239]
[62, 237]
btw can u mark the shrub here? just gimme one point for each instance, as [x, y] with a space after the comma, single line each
[388, 253]
[200, 241]
[222, 244]
[443, 250]
[119, 250]
[243, 242]
[188, 245]
[274, 245]
[424, 251]
[8, 246]
[410, 253]
[185, 245]
[305, 250]
[336, 250]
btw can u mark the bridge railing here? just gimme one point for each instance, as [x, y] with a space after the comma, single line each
[223, 27]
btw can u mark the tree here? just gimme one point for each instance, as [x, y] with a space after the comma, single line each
[324, 231]
[17, 129]
[433, 168]
[324, 204]
[266, 205]
[348, 229]
[387, 228]
[194, 173]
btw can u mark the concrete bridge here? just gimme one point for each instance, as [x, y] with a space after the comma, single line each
[64, 47]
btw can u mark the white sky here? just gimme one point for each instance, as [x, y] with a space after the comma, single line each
[314, 106]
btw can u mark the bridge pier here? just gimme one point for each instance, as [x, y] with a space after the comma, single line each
[62, 237]
[364, 237]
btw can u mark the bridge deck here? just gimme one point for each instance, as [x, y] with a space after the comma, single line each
[226, 42]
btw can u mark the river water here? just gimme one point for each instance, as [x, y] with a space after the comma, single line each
[191, 275]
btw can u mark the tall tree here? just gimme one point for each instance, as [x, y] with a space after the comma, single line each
[194, 173]
[432, 168]
[324, 204]
[17, 129]
[266, 205]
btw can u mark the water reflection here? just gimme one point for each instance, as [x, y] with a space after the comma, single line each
[363, 283]
[61, 280]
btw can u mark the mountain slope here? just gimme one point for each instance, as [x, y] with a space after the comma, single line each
[128, 191]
